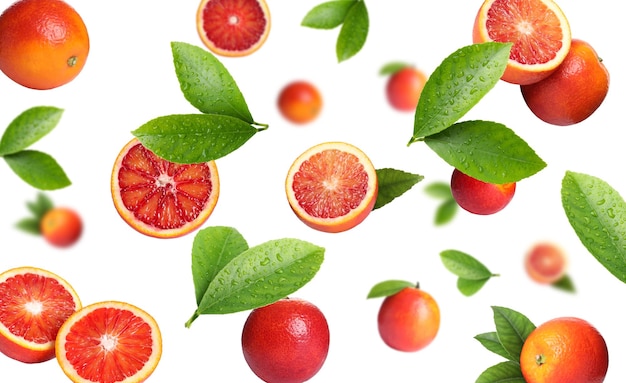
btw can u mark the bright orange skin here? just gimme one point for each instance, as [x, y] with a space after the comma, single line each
[409, 320]
[286, 341]
[43, 43]
[574, 91]
[480, 197]
[564, 350]
[300, 102]
[545, 263]
[61, 226]
[404, 88]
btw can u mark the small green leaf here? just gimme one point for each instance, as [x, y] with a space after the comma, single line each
[487, 151]
[194, 138]
[464, 265]
[29, 127]
[565, 283]
[207, 84]
[29, 225]
[439, 190]
[491, 342]
[328, 15]
[392, 183]
[445, 212]
[38, 169]
[213, 248]
[261, 275]
[389, 287]
[459, 83]
[512, 328]
[353, 32]
[393, 67]
[504, 372]
[597, 213]
[40, 206]
[469, 287]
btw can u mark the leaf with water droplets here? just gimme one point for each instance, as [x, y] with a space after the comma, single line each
[353, 32]
[457, 84]
[194, 138]
[392, 183]
[29, 127]
[597, 213]
[261, 275]
[207, 84]
[485, 150]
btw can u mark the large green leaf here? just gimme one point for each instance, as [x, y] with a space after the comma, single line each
[29, 127]
[512, 328]
[491, 342]
[353, 32]
[597, 213]
[38, 169]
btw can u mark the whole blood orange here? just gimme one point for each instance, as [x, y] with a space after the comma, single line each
[109, 342]
[545, 263]
[332, 186]
[43, 43]
[300, 102]
[61, 226]
[409, 319]
[538, 29]
[574, 91]
[34, 303]
[286, 341]
[160, 198]
[564, 349]
[479, 197]
[404, 88]
[233, 28]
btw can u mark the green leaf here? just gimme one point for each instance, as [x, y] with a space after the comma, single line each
[504, 372]
[469, 287]
[597, 213]
[207, 84]
[353, 32]
[261, 275]
[29, 225]
[464, 265]
[38, 169]
[213, 248]
[29, 127]
[445, 212]
[512, 328]
[393, 67]
[439, 190]
[194, 138]
[389, 287]
[490, 341]
[457, 84]
[392, 183]
[40, 206]
[565, 283]
[328, 15]
[487, 151]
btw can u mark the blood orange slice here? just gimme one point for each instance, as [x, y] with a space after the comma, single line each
[109, 342]
[332, 186]
[233, 27]
[34, 303]
[160, 198]
[538, 29]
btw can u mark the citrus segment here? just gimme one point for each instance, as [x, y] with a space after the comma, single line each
[332, 186]
[161, 198]
[538, 29]
[109, 342]
[233, 27]
[34, 303]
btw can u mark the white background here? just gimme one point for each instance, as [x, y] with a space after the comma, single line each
[129, 79]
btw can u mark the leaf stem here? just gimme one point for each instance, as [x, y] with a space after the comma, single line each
[261, 127]
[414, 140]
[193, 318]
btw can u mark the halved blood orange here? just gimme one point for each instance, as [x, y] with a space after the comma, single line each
[34, 303]
[233, 27]
[109, 342]
[332, 186]
[160, 198]
[538, 29]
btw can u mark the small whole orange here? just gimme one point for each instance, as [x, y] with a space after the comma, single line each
[61, 226]
[566, 349]
[300, 102]
[43, 43]
[574, 91]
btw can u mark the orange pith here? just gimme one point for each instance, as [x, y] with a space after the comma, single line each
[538, 29]
[34, 303]
[161, 198]
[109, 342]
[332, 186]
[233, 27]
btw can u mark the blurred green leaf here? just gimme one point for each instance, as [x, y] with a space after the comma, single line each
[445, 212]
[439, 190]
[393, 67]
[565, 283]
[389, 287]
